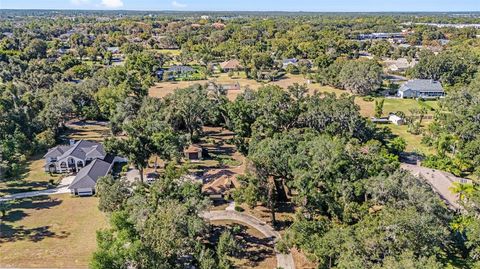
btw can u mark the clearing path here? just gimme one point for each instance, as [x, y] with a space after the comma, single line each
[284, 261]
[440, 182]
[60, 189]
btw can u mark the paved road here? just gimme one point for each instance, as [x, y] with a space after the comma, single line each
[440, 182]
[61, 189]
[284, 261]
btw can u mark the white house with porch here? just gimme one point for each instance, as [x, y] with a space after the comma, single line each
[72, 158]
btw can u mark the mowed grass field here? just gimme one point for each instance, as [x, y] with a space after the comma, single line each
[50, 232]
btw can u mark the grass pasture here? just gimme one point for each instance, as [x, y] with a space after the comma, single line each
[57, 231]
[86, 130]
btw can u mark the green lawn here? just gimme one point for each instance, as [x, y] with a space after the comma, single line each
[168, 51]
[394, 105]
[413, 141]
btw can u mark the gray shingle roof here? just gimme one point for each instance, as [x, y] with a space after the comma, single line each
[85, 149]
[56, 151]
[422, 85]
[290, 61]
[88, 176]
[181, 69]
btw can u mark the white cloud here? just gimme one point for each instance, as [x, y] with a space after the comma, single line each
[110, 3]
[80, 2]
[178, 4]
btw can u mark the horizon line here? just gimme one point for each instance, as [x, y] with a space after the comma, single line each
[252, 11]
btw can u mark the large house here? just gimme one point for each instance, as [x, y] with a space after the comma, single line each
[421, 88]
[72, 158]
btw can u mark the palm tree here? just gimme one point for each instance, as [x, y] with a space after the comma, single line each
[463, 190]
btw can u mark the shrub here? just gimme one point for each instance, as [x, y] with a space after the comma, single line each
[368, 99]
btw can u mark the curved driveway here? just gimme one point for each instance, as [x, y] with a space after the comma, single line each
[284, 261]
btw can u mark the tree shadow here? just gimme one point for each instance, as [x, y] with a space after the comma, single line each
[11, 233]
[19, 186]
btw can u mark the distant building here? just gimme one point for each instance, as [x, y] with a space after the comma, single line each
[382, 120]
[114, 50]
[218, 25]
[179, 71]
[193, 153]
[231, 65]
[217, 189]
[8, 34]
[400, 64]
[396, 119]
[381, 36]
[421, 88]
[287, 62]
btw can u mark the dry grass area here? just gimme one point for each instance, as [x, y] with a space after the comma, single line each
[32, 177]
[87, 130]
[162, 89]
[257, 250]
[57, 231]
[301, 261]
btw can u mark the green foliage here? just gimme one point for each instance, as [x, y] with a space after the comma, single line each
[379, 107]
[361, 77]
[449, 67]
[113, 194]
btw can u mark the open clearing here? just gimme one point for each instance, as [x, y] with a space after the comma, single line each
[162, 89]
[57, 231]
[87, 130]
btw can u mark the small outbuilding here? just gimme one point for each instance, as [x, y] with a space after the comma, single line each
[193, 152]
[396, 119]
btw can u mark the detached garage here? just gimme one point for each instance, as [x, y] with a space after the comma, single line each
[193, 153]
[86, 180]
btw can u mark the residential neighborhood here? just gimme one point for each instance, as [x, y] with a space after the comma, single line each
[139, 134]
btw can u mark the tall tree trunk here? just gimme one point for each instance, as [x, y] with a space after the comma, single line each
[272, 193]
[140, 169]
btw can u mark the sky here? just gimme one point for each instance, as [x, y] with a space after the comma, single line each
[250, 5]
